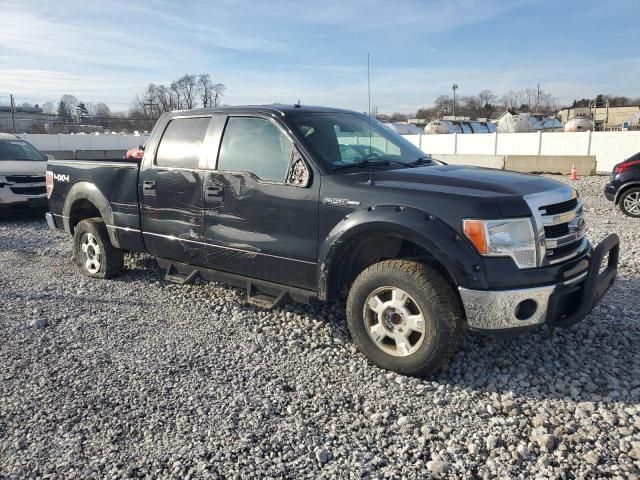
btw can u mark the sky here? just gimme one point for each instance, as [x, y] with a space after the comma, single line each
[316, 51]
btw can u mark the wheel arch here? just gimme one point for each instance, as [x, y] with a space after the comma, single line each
[366, 237]
[624, 188]
[84, 200]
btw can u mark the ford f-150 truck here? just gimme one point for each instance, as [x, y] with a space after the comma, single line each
[320, 204]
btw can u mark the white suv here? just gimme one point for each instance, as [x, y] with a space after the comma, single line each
[22, 174]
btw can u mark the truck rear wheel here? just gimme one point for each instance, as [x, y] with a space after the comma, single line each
[630, 202]
[93, 252]
[404, 317]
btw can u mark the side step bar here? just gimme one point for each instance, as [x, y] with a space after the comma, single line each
[260, 293]
[173, 275]
[264, 300]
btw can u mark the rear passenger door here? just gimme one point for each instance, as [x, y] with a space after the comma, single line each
[261, 204]
[171, 191]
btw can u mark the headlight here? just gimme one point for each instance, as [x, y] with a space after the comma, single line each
[513, 238]
[3, 181]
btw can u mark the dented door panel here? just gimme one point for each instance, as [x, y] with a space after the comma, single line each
[172, 214]
[271, 225]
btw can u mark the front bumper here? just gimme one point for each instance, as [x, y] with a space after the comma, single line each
[610, 191]
[9, 199]
[562, 304]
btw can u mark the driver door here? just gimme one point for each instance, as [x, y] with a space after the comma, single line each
[257, 223]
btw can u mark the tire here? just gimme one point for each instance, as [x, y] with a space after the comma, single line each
[429, 297]
[93, 252]
[629, 202]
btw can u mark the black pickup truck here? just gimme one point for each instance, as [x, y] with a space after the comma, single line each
[320, 204]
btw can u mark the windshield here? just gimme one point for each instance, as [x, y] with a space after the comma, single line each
[341, 140]
[19, 150]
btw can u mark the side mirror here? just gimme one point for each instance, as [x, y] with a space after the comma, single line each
[50, 157]
[141, 147]
[299, 174]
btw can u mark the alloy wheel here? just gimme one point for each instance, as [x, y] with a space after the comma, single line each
[92, 253]
[394, 321]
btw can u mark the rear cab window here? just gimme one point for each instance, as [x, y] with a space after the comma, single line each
[182, 143]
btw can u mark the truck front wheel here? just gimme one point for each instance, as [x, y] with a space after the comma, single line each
[93, 252]
[404, 317]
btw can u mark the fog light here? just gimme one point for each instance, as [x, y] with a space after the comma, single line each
[525, 309]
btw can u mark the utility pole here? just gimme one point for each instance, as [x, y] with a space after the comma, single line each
[150, 104]
[13, 114]
[454, 88]
[538, 99]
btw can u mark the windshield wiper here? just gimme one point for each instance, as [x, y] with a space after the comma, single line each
[422, 161]
[371, 163]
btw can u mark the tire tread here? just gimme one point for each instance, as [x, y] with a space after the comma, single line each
[113, 257]
[441, 295]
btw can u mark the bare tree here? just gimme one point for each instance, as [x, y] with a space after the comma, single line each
[487, 97]
[70, 101]
[187, 84]
[513, 99]
[163, 98]
[176, 96]
[205, 90]
[48, 107]
[101, 110]
[218, 92]
[444, 105]
[398, 117]
[182, 94]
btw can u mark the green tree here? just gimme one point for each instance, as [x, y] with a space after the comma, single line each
[63, 111]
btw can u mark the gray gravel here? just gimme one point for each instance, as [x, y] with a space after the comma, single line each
[138, 377]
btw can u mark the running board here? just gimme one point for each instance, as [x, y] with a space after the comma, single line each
[264, 300]
[173, 275]
[260, 292]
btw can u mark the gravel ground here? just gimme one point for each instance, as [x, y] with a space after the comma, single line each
[138, 377]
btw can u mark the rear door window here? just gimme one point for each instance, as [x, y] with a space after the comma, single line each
[182, 144]
[257, 146]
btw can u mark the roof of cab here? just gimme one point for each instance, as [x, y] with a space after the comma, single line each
[275, 109]
[8, 136]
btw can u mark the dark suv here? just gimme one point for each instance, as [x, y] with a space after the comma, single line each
[624, 187]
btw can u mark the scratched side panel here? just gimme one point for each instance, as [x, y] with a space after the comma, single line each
[172, 218]
[265, 230]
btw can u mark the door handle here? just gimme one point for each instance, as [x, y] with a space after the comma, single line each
[148, 185]
[212, 191]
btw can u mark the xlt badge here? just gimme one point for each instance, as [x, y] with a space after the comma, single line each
[345, 202]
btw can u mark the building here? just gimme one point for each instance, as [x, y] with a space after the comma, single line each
[27, 120]
[403, 128]
[605, 117]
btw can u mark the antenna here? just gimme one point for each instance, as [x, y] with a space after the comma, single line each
[369, 114]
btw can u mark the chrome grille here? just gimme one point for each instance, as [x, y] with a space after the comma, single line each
[25, 178]
[560, 207]
[554, 231]
[36, 190]
[559, 223]
[27, 185]
[564, 229]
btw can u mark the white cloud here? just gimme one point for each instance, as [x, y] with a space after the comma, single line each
[279, 51]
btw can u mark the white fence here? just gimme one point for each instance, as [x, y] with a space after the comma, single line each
[64, 141]
[609, 148]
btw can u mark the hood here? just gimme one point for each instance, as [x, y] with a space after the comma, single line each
[472, 181]
[23, 167]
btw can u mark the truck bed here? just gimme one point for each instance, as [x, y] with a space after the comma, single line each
[113, 183]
